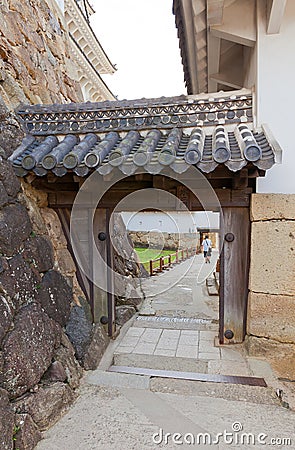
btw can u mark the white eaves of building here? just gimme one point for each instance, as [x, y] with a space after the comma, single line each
[88, 55]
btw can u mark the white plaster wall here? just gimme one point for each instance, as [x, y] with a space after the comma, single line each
[276, 95]
[170, 222]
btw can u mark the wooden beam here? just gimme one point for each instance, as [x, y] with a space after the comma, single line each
[213, 60]
[227, 197]
[275, 14]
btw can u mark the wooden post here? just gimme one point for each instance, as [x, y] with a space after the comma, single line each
[176, 256]
[104, 302]
[100, 296]
[169, 261]
[161, 264]
[151, 267]
[234, 274]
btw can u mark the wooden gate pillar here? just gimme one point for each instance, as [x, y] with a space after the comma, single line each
[234, 273]
[103, 301]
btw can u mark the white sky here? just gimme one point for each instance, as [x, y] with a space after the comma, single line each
[140, 38]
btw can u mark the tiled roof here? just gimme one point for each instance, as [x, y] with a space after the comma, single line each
[154, 133]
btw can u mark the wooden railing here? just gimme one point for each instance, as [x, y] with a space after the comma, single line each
[165, 262]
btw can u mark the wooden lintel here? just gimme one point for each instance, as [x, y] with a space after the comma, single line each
[227, 198]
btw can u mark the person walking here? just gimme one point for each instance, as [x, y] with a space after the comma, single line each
[207, 249]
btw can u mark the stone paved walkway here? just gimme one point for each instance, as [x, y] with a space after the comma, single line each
[120, 411]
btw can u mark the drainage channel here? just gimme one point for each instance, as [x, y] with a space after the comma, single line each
[163, 319]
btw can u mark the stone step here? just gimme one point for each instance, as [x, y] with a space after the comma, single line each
[238, 392]
[160, 362]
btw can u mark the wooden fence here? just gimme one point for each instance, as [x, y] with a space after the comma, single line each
[165, 262]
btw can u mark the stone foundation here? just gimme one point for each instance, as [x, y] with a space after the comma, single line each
[271, 308]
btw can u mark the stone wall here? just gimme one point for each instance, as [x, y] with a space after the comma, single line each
[35, 66]
[46, 330]
[166, 241]
[271, 308]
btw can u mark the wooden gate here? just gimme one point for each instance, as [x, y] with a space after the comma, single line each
[102, 302]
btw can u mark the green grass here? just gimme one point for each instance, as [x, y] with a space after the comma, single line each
[146, 254]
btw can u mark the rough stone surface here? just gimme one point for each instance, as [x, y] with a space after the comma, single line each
[7, 176]
[47, 404]
[272, 316]
[133, 301]
[5, 317]
[55, 296]
[66, 357]
[28, 349]
[15, 227]
[33, 200]
[96, 348]
[272, 206]
[6, 422]
[19, 282]
[39, 252]
[28, 435]
[79, 327]
[272, 265]
[54, 228]
[124, 313]
[65, 261]
[10, 134]
[3, 195]
[55, 372]
[35, 52]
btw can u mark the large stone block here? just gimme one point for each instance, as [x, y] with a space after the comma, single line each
[272, 264]
[6, 422]
[46, 405]
[39, 252]
[15, 227]
[79, 327]
[272, 206]
[28, 349]
[9, 179]
[124, 313]
[65, 356]
[280, 355]
[20, 282]
[55, 296]
[96, 348]
[272, 317]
